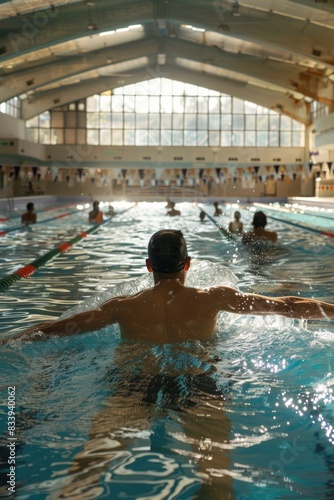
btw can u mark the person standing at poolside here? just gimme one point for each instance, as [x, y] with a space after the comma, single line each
[29, 217]
[95, 216]
[259, 231]
[236, 226]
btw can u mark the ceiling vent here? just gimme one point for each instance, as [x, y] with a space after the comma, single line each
[316, 52]
[30, 82]
[3, 50]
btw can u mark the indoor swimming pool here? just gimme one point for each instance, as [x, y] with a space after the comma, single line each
[270, 436]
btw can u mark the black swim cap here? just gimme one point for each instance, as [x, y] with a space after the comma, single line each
[167, 251]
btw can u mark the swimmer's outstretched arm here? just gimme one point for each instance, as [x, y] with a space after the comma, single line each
[82, 322]
[291, 307]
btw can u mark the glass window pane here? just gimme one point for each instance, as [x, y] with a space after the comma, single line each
[166, 138]
[154, 86]
[142, 88]
[214, 104]
[286, 123]
[226, 122]
[273, 138]
[81, 136]
[141, 104]
[141, 121]
[129, 137]
[189, 138]
[298, 139]
[93, 120]
[202, 122]
[57, 119]
[129, 120]
[262, 139]
[166, 86]
[117, 120]
[285, 139]
[44, 120]
[226, 138]
[177, 137]
[81, 117]
[190, 121]
[105, 120]
[190, 104]
[274, 122]
[93, 137]
[262, 122]
[57, 136]
[202, 138]
[154, 104]
[249, 108]
[178, 122]
[297, 126]
[105, 137]
[214, 138]
[32, 134]
[238, 122]
[93, 103]
[214, 122]
[116, 103]
[250, 138]
[226, 104]
[237, 138]
[166, 121]
[238, 105]
[166, 103]
[129, 103]
[250, 122]
[33, 122]
[190, 89]
[178, 104]
[141, 137]
[105, 102]
[117, 137]
[178, 88]
[154, 122]
[44, 136]
[153, 137]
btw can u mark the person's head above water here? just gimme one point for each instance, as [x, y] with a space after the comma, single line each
[167, 252]
[259, 219]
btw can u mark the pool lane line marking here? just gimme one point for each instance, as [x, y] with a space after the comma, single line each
[24, 226]
[29, 269]
[306, 228]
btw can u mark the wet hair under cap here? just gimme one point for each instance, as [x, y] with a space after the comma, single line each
[259, 219]
[167, 251]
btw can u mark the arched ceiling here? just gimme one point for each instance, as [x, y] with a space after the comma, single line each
[277, 53]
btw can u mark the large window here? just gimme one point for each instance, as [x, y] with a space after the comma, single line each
[163, 112]
[11, 107]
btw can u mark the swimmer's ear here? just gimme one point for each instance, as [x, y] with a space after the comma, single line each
[187, 264]
[149, 266]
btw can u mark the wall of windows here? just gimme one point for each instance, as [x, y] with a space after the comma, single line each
[163, 112]
[11, 107]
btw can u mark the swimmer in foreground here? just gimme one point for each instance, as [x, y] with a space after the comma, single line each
[171, 312]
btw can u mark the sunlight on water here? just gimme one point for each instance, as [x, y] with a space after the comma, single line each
[248, 415]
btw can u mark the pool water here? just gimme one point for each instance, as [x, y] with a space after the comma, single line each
[248, 415]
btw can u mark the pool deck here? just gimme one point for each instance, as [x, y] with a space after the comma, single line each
[313, 201]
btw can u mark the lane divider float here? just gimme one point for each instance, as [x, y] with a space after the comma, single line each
[31, 268]
[330, 234]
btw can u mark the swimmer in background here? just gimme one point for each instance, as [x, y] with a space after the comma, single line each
[218, 211]
[173, 212]
[95, 215]
[259, 231]
[29, 217]
[202, 216]
[170, 204]
[111, 210]
[236, 226]
[166, 312]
